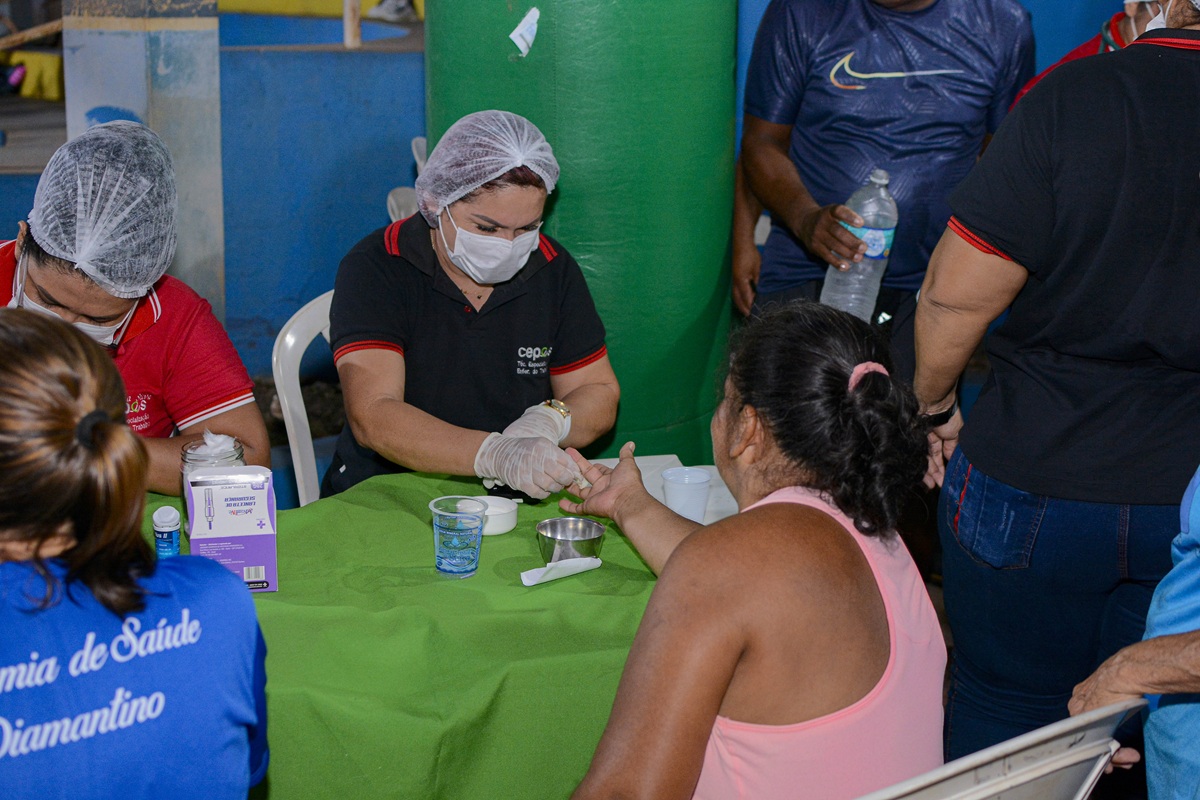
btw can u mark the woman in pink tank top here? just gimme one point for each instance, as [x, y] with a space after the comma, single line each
[790, 651]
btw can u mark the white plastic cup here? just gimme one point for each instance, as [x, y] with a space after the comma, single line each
[686, 491]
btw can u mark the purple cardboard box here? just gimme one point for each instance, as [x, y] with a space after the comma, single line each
[231, 519]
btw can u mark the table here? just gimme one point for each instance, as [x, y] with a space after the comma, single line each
[385, 680]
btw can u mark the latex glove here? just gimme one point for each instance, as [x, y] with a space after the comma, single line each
[540, 420]
[531, 464]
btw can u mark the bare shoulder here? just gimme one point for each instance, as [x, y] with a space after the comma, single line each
[785, 542]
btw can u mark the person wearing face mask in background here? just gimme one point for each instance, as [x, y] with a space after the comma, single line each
[94, 252]
[465, 339]
[1115, 34]
[1058, 510]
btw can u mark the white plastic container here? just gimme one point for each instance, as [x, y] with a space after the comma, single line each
[685, 490]
[501, 514]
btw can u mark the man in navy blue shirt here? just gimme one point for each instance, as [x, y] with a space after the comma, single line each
[837, 88]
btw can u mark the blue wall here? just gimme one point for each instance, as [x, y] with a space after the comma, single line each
[16, 201]
[312, 143]
[259, 30]
[1060, 26]
[749, 14]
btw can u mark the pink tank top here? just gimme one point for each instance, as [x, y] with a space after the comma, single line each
[890, 735]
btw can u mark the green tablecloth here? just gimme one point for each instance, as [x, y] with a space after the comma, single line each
[386, 680]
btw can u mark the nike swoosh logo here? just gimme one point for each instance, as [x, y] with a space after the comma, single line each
[844, 64]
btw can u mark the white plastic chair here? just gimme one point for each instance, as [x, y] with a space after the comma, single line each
[420, 148]
[401, 203]
[1061, 761]
[293, 339]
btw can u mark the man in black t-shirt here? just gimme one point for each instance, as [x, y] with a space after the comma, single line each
[1058, 509]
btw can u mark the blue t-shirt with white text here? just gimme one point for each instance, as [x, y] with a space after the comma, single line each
[169, 702]
[913, 93]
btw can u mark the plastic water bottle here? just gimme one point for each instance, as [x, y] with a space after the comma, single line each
[855, 289]
[166, 532]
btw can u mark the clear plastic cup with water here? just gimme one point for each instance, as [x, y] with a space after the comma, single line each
[457, 534]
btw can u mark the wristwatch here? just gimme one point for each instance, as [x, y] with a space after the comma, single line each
[559, 406]
[940, 418]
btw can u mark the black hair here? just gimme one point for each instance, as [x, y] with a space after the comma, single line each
[34, 253]
[865, 449]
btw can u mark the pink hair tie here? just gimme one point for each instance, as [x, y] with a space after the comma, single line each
[862, 369]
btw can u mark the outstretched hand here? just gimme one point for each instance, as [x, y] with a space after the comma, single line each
[610, 490]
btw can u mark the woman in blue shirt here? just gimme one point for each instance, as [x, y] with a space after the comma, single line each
[120, 676]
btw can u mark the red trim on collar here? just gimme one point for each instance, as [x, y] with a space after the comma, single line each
[1166, 41]
[148, 312]
[547, 249]
[975, 241]
[8, 261]
[391, 237]
[1114, 29]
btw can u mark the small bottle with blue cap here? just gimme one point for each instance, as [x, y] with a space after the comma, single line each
[166, 531]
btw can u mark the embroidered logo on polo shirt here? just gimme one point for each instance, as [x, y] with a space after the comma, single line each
[533, 360]
[136, 415]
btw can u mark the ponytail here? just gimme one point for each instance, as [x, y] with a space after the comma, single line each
[819, 378]
[112, 503]
[69, 465]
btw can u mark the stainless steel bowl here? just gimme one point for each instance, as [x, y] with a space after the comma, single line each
[569, 537]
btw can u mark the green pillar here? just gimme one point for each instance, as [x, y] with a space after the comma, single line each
[637, 100]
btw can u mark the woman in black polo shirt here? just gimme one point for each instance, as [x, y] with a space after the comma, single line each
[466, 341]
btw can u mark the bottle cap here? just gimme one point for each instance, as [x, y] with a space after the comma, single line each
[880, 177]
[166, 519]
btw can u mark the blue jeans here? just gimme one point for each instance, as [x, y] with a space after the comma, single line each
[1038, 592]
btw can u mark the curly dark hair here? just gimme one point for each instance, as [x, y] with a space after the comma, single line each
[865, 449]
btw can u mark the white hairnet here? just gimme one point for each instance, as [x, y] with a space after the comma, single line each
[479, 148]
[106, 202]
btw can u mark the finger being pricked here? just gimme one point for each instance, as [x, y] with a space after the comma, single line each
[589, 473]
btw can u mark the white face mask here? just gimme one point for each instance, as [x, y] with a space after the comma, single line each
[103, 335]
[1160, 19]
[489, 259]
